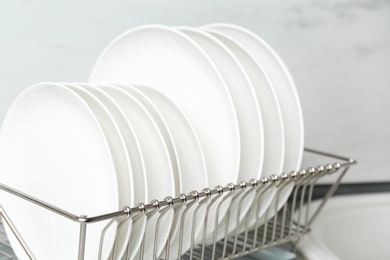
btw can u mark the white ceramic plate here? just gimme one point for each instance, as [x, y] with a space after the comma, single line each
[140, 179]
[192, 163]
[244, 99]
[127, 153]
[248, 114]
[105, 110]
[269, 105]
[165, 131]
[194, 172]
[272, 117]
[286, 93]
[157, 164]
[103, 107]
[171, 62]
[51, 147]
[349, 227]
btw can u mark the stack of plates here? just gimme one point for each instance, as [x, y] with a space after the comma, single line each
[166, 110]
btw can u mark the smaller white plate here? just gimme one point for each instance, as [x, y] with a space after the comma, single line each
[192, 163]
[105, 110]
[165, 131]
[103, 106]
[157, 165]
[129, 141]
[51, 147]
[170, 143]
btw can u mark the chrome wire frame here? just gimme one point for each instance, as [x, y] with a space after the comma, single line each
[222, 205]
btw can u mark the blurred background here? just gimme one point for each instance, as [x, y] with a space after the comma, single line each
[338, 53]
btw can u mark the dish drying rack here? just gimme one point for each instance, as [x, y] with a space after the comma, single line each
[287, 224]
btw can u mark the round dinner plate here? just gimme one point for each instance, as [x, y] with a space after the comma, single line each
[140, 180]
[193, 166]
[248, 114]
[53, 147]
[272, 116]
[171, 62]
[286, 93]
[103, 106]
[117, 122]
[244, 100]
[192, 163]
[268, 102]
[165, 131]
[158, 166]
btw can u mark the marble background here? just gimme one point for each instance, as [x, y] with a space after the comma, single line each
[338, 53]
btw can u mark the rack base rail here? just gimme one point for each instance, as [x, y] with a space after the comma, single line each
[277, 225]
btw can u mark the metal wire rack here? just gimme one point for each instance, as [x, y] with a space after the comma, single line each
[278, 224]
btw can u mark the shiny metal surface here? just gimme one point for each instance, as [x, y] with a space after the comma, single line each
[287, 225]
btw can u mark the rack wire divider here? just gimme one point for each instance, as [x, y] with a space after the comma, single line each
[278, 224]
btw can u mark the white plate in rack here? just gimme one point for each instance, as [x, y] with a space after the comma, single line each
[194, 171]
[286, 93]
[268, 102]
[248, 114]
[272, 116]
[158, 166]
[105, 110]
[140, 179]
[167, 135]
[192, 163]
[103, 107]
[52, 147]
[171, 62]
[244, 98]
[165, 131]
[125, 151]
